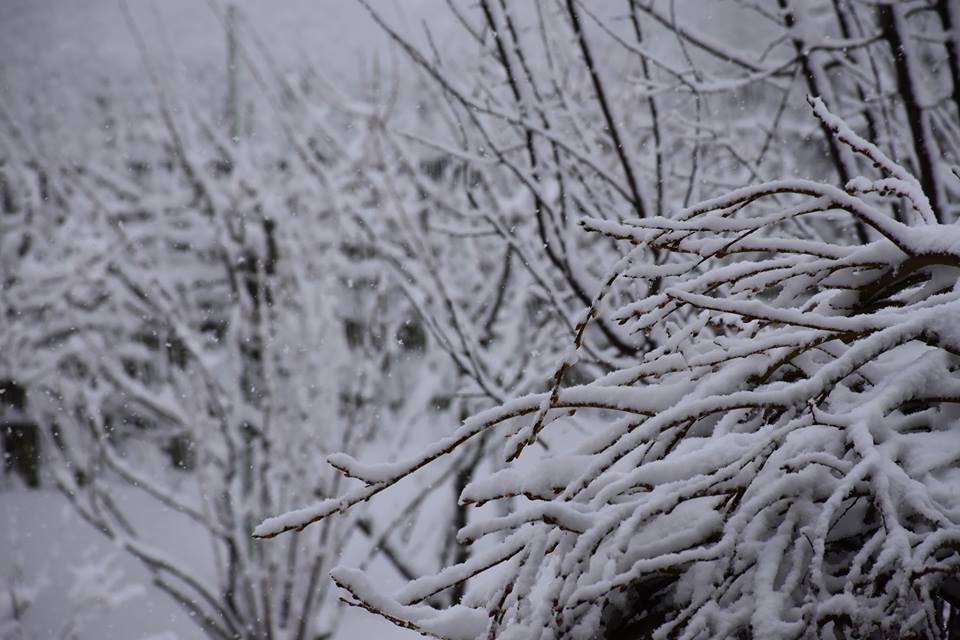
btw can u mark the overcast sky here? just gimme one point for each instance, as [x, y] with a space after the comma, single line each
[59, 45]
[55, 45]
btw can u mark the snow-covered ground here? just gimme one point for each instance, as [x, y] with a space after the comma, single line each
[68, 577]
[50, 554]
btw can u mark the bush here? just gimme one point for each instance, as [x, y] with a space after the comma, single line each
[783, 462]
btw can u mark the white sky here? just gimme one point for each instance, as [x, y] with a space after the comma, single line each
[50, 47]
[55, 46]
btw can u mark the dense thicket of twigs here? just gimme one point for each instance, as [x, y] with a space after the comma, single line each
[766, 444]
[190, 324]
[783, 463]
[731, 418]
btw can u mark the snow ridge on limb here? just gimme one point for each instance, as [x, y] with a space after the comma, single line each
[900, 180]
[783, 464]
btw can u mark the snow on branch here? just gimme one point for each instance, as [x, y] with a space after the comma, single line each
[784, 463]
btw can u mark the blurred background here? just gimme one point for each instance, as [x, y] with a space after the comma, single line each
[237, 237]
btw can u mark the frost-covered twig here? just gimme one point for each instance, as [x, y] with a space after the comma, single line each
[783, 464]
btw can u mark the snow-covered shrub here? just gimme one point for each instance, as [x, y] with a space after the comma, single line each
[175, 298]
[783, 460]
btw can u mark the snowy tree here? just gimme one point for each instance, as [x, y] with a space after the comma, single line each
[192, 328]
[749, 427]
[570, 114]
[782, 464]
[567, 111]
